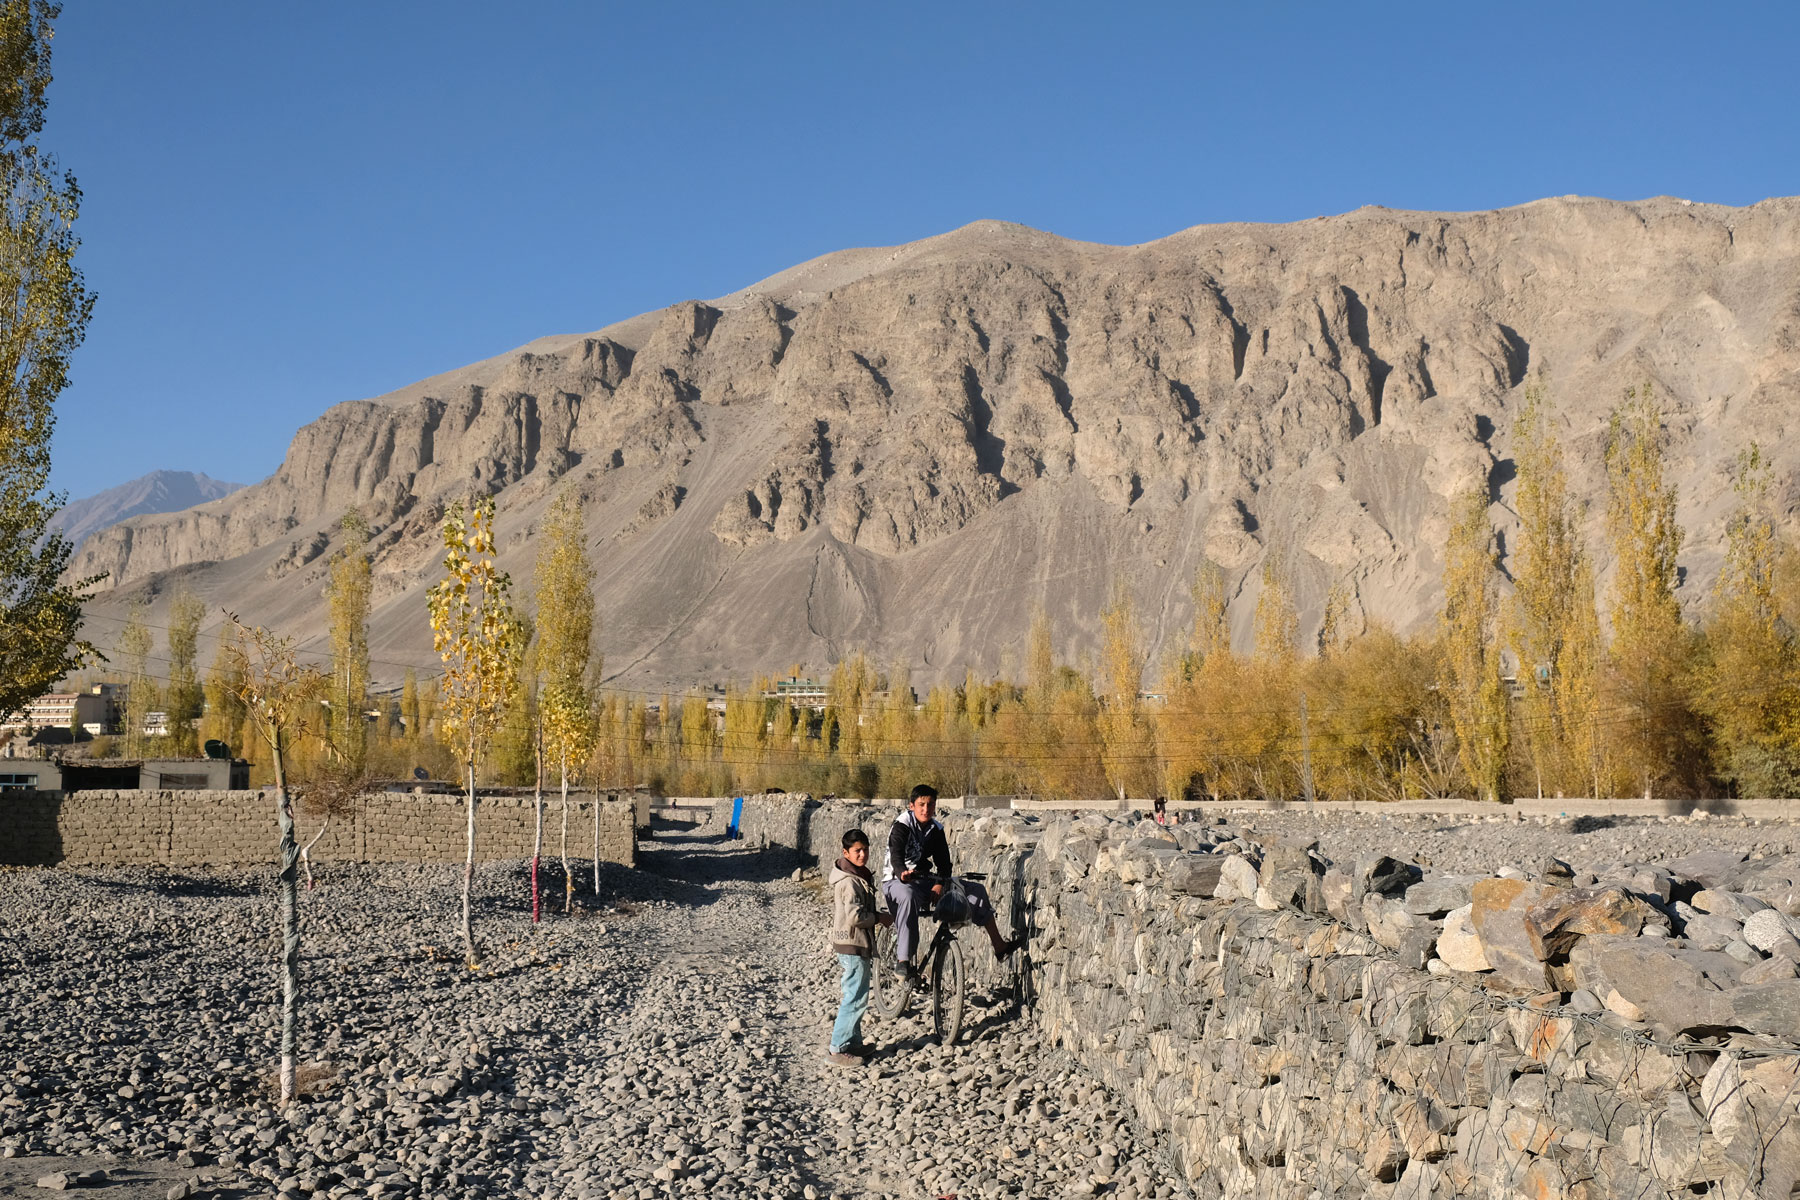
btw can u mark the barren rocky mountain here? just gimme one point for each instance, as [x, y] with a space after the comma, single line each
[157, 492]
[908, 449]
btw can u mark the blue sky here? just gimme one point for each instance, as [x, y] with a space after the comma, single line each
[289, 206]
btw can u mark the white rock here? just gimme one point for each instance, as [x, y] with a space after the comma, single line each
[1458, 946]
[1767, 929]
[1237, 879]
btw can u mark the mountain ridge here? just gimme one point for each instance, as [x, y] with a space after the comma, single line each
[159, 491]
[853, 451]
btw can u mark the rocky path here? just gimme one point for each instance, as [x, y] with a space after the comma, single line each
[665, 1041]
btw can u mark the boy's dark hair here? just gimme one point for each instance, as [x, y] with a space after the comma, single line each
[853, 836]
[923, 789]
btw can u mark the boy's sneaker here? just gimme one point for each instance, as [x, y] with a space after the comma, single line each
[860, 1049]
[839, 1058]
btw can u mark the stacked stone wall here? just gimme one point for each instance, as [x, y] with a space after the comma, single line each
[1283, 1051]
[182, 829]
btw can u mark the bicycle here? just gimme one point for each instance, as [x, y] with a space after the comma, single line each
[943, 958]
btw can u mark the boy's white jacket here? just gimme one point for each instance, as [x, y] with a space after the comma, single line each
[852, 913]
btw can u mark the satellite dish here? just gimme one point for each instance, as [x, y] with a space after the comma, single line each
[216, 749]
[421, 774]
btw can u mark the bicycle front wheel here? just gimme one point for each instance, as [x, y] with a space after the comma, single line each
[889, 991]
[947, 992]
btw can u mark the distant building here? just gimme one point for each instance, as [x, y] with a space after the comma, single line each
[95, 711]
[125, 774]
[30, 775]
[803, 693]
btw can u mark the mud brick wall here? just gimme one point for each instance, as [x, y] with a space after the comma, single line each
[198, 828]
[1282, 1051]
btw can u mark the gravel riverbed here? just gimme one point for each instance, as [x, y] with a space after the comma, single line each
[1488, 843]
[665, 1040]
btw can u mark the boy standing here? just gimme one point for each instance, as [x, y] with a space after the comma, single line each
[853, 922]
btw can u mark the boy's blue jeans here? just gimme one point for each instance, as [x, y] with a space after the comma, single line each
[848, 1029]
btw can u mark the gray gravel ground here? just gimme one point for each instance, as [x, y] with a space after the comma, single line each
[1484, 845]
[664, 1041]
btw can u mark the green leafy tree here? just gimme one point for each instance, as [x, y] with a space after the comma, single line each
[42, 321]
[480, 640]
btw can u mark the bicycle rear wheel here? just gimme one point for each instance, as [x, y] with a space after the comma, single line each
[889, 994]
[947, 991]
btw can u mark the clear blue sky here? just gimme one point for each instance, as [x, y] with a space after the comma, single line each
[292, 205]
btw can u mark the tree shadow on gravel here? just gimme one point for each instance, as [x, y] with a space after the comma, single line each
[618, 884]
[685, 855]
[181, 885]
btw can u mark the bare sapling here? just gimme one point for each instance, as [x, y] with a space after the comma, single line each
[276, 691]
[537, 799]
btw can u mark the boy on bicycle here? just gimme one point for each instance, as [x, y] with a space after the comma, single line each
[915, 840]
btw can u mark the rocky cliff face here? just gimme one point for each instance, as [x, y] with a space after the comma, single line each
[909, 449]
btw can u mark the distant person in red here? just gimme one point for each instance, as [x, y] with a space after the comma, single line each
[915, 841]
[1162, 813]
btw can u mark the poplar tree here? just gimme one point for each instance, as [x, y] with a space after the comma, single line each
[1261, 709]
[42, 322]
[1547, 567]
[225, 714]
[1577, 690]
[186, 699]
[347, 592]
[1651, 648]
[409, 708]
[1123, 735]
[277, 693]
[140, 692]
[1750, 687]
[1478, 700]
[565, 630]
[480, 640]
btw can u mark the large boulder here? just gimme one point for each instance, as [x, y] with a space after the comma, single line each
[1561, 915]
[1459, 945]
[1196, 874]
[1498, 910]
[1381, 874]
[1768, 1008]
[1708, 868]
[1237, 879]
[1440, 894]
[1292, 876]
[1676, 991]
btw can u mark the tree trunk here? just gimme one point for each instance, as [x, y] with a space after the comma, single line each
[468, 931]
[568, 879]
[306, 850]
[290, 929]
[537, 840]
[596, 847]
